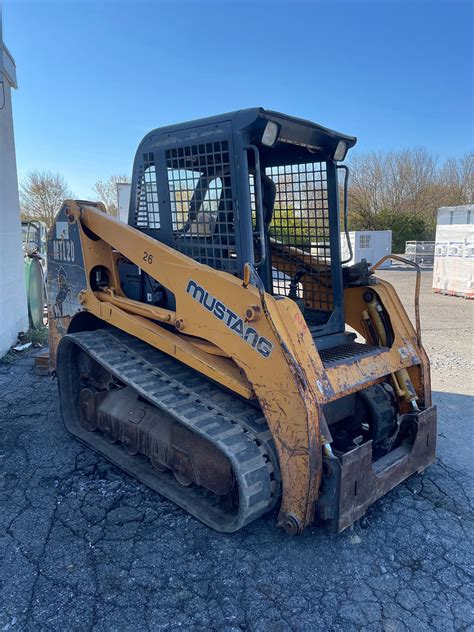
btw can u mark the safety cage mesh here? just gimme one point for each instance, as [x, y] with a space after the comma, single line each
[147, 211]
[300, 233]
[201, 202]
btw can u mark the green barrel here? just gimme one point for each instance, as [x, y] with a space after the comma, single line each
[34, 278]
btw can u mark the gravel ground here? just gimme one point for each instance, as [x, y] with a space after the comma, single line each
[84, 547]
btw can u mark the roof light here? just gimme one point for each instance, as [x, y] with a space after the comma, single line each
[341, 150]
[270, 134]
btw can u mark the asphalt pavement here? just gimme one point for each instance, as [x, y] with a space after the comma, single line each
[85, 547]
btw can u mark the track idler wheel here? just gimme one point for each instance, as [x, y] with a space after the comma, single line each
[182, 479]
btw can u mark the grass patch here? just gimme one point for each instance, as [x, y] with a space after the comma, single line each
[35, 336]
[9, 358]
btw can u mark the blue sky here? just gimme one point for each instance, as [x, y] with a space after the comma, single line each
[94, 77]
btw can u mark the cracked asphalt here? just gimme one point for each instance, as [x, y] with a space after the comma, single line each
[85, 547]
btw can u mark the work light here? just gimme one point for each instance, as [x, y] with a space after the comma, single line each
[270, 134]
[341, 150]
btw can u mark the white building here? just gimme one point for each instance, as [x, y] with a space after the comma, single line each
[13, 308]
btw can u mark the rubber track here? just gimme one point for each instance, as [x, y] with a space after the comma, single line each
[234, 426]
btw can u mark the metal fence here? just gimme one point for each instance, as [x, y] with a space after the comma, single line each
[420, 251]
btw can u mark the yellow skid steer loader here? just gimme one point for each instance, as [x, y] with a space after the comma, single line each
[218, 349]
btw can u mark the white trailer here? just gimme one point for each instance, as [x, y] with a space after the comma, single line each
[370, 245]
[453, 270]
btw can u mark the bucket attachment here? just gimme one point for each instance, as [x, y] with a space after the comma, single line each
[353, 482]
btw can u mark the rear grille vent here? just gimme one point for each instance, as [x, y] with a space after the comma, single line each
[351, 350]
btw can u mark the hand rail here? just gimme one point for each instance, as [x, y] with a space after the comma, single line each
[259, 206]
[345, 168]
[417, 288]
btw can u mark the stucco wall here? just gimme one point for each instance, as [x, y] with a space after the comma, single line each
[13, 309]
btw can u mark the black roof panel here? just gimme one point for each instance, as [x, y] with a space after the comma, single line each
[252, 121]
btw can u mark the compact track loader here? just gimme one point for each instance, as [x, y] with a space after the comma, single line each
[218, 349]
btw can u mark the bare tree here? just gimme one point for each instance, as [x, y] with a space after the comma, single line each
[408, 182]
[457, 178]
[107, 192]
[366, 192]
[41, 196]
[409, 179]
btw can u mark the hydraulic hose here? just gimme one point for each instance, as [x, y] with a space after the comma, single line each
[400, 379]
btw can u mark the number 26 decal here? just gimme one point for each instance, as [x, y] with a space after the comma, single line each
[147, 257]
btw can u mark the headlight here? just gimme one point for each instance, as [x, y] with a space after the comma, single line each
[270, 134]
[341, 150]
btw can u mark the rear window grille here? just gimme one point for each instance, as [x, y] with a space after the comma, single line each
[201, 202]
[301, 233]
[148, 211]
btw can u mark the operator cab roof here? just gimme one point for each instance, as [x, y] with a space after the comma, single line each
[280, 138]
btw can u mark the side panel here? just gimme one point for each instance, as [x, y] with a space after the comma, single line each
[66, 278]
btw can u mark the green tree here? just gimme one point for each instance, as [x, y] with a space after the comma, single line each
[288, 228]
